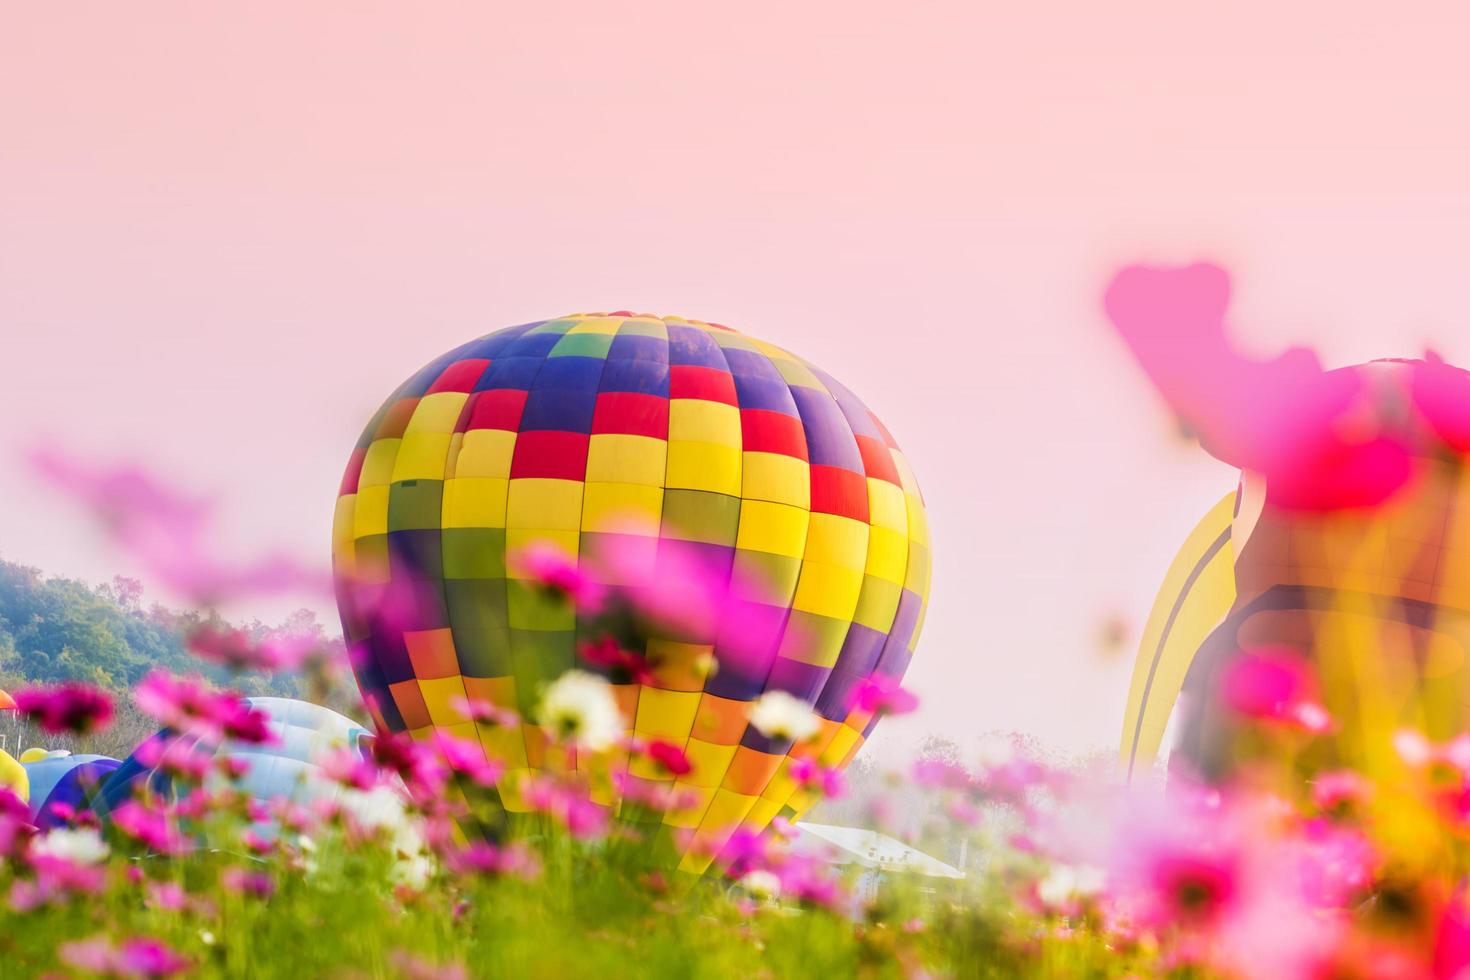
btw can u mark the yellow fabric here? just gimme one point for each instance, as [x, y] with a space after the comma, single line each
[1195, 597]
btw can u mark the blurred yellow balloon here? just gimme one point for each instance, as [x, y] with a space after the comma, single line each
[33, 754]
[13, 777]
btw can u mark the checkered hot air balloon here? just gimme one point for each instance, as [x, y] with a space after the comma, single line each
[632, 435]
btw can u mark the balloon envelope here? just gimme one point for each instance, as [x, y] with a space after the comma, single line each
[69, 780]
[286, 770]
[628, 435]
[1392, 579]
[13, 776]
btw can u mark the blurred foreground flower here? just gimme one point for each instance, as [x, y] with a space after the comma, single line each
[136, 958]
[71, 708]
[781, 716]
[167, 533]
[553, 570]
[1275, 685]
[580, 708]
[1283, 418]
[881, 695]
[190, 706]
[238, 650]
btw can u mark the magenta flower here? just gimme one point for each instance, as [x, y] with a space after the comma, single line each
[167, 533]
[15, 824]
[1275, 685]
[553, 570]
[485, 712]
[566, 805]
[348, 768]
[136, 958]
[1281, 418]
[939, 774]
[189, 706]
[1442, 394]
[467, 759]
[166, 896]
[415, 763]
[251, 884]
[655, 795]
[669, 757]
[179, 757]
[882, 695]
[411, 967]
[238, 650]
[150, 827]
[623, 666]
[482, 857]
[1340, 792]
[56, 879]
[810, 776]
[69, 708]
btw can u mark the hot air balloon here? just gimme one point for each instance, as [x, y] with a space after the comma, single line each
[633, 434]
[1384, 589]
[286, 770]
[70, 780]
[13, 776]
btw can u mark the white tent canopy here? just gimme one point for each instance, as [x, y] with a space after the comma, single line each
[853, 845]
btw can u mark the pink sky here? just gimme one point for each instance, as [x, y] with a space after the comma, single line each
[224, 237]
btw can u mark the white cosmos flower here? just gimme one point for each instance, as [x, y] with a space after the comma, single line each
[761, 885]
[580, 707]
[79, 845]
[1065, 882]
[783, 717]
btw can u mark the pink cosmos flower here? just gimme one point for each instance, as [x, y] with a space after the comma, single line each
[1335, 863]
[72, 708]
[167, 532]
[807, 774]
[15, 824]
[939, 774]
[180, 758]
[1275, 685]
[411, 967]
[659, 796]
[482, 857]
[625, 666]
[670, 757]
[238, 650]
[189, 706]
[1444, 771]
[1451, 955]
[139, 957]
[686, 591]
[1340, 792]
[348, 768]
[882, 695]
[252, 884]
[555, 571]
[150, 827]
[56, 880]
[415, 763]
[166, 896]
[567, 805]
[485, 712]
[1282, 418]
[744, 851]
[1441, 392]
[467, 759]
